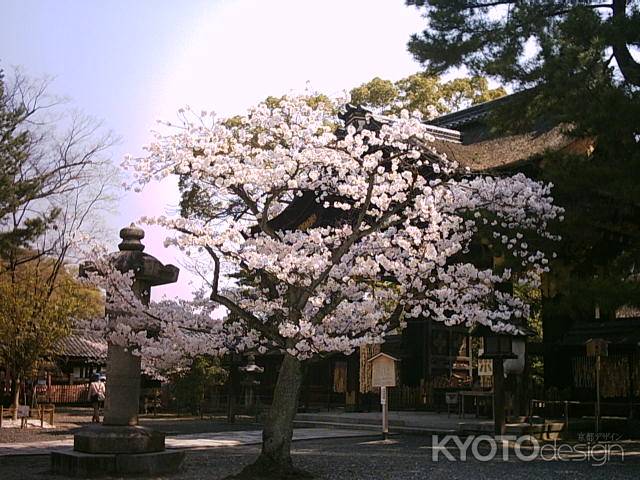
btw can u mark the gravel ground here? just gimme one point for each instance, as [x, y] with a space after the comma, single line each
[404, 457]
[68, 421]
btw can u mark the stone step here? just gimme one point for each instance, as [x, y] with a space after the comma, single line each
[547, 431]
[393, 429]
[87, 465]
[312, 417]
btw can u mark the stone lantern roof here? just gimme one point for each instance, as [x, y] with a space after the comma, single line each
[147, 268]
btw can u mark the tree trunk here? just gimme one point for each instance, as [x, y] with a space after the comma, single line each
[275, 459]
[16, 397]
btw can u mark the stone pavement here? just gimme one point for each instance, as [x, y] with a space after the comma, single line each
[190, 441]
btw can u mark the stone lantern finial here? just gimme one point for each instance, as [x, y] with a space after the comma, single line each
[131, 237]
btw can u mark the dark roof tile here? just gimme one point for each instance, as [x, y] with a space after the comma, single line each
[87, 345]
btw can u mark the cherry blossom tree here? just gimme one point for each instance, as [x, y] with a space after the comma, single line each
[324, 235]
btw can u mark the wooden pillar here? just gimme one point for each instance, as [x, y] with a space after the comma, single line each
[598, 366]
[429, 353]
[470, 355]
[329, 384]
[450, 351]
[631, 385]
[233, 382]
[425, 346]
[498, 396]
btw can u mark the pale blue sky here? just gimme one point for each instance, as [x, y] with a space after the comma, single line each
[132, 62]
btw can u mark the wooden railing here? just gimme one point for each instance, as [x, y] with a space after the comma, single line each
[40, 412]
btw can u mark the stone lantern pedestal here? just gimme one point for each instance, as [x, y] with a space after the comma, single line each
[120, 446]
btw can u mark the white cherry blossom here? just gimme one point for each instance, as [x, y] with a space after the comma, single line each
[386, 237]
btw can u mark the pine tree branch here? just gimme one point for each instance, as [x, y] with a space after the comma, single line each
[628, 66]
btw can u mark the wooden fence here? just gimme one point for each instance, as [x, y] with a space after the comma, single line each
[620, 374]
[61, 394]
[403, 397]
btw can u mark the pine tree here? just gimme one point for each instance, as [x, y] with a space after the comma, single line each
[571, 63]
[16, 186]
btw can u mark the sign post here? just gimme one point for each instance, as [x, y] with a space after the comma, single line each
[383, 375]
[385, 412]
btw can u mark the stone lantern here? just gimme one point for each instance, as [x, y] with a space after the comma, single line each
[120, 446]
[499, 347]
[250, 381]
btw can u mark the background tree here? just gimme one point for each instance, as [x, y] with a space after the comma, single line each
[572, 59]
[425, 93]
[573, 64]
[54, 171]
[36, 311]
[191, 384]
[55, 177]
[515, 40]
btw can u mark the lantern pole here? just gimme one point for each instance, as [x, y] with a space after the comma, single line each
[498, 396]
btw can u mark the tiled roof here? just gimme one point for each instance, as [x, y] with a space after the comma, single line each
[499, 152]
[482, 149]
[360, 117]
[472, 114]
[624, 331]
[86, 345]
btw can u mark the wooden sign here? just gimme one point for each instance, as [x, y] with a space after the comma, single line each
[597, 347]
[383, 375]
[451, 398]
[383, 370]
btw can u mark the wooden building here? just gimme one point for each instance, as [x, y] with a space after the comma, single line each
[568, 372]
[80, 355]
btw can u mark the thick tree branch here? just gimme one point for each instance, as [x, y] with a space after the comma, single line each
[251, 320]
[628, 66]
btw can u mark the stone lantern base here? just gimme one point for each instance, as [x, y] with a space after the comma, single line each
[114, 450]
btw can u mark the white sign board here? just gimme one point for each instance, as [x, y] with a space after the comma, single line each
[383, 370]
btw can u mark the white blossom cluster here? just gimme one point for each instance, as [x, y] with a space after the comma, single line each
[390, 226]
